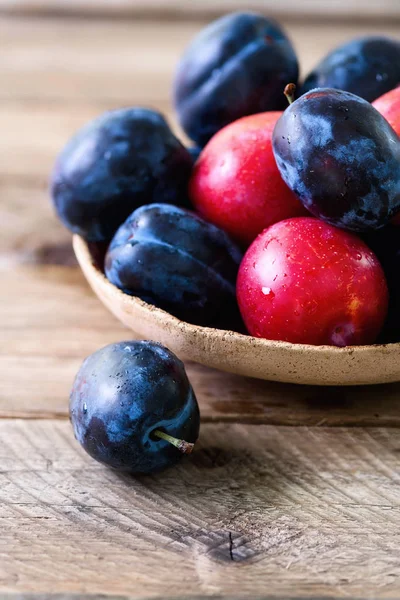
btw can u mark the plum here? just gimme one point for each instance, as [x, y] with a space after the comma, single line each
[306, 282]
[389, 106]
[236, 184]
[116, 163]
[194, 152]
[132, 407]
[385, 243]
[237, 66]
[341, 158]
[175, 260]
[368, 67]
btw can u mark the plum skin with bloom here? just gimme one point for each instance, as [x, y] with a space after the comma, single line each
[307, 282]
[341, 158]
[237, 65]
[119, 161]
[123, 393]
[367, 66]
[174, 259]
[236, 183]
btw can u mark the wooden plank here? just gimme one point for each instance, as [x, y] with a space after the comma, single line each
[258, 509]
[206, 8]
[51, 87]
[122, 62]
[73, 596]
[51, 320]
[31, 234]
[315, 511]
[108, 62]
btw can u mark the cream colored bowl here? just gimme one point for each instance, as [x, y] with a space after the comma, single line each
[242, 354]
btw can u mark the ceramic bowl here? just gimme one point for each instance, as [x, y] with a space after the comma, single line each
[238, 353]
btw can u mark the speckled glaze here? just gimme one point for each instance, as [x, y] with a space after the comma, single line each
[121, 394]
[175, 260]
[241, 354]
[236, 66]
[341, 157]
[368, 67]
[121, 160]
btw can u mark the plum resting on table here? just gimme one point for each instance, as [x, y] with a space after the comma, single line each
[306, 282]
[341, 158]
[118, 162]
[368, 67]
[123, 396]
[236, 184]
[175, 260]
[236, 66]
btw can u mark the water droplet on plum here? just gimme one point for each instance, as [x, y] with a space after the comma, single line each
[267, 292]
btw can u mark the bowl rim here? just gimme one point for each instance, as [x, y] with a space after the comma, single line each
[82, 250]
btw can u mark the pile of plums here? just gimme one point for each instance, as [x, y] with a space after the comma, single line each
[303, 178]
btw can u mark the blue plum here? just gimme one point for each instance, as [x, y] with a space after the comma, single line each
[385, 243]
[194, 152]
[236, 66]
[116, 163]
[368, 67]
[173, 259]
[125, 397]
[341, 158]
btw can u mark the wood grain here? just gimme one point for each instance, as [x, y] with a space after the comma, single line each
[261, 508]
[51, 87]
[121, 62]
[73, 596]
[206, 8]
[262, 498]
[52, 321]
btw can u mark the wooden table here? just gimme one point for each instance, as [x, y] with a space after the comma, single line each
[293, 491]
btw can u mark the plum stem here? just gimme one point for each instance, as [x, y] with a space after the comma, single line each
[289, 92]
[182, 445]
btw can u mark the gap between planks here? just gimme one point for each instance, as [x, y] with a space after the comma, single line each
[218, 419]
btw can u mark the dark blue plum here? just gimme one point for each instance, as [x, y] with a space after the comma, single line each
[118, 162]
[385, 243]
[368, 67]
[236, 66]
[175, 260]
[341, 158]
[123, 395]
[194, 152]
